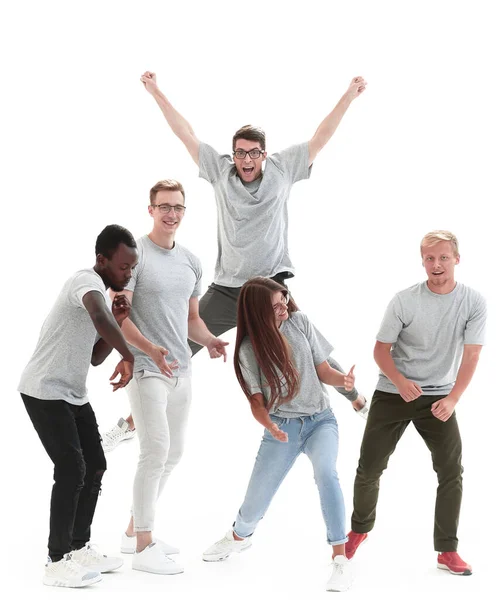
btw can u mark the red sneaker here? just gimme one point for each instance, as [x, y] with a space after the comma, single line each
[353, 543]
[451, 561]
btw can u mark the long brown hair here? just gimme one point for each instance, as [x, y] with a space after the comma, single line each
[256, 319]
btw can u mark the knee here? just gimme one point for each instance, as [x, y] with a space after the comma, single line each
[154, 457]
[369, 470]
[71, 470]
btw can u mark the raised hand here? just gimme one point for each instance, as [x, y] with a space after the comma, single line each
[149, 80]
[356, 87]
[349, 380]
[121, 307]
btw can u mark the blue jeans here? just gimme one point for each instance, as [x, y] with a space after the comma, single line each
[317, 437]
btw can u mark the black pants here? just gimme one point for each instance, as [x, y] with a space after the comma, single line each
[218, 310]
[71, 438]
[388, 418]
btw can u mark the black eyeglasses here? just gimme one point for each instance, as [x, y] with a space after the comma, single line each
[179, 209]
[254, 153]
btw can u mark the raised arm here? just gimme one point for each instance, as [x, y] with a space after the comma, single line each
[180, 126]
[134, 336]
[328, 127]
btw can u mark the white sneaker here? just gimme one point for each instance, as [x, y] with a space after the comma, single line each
[128, 545]
[153, 560]
[225, 547]
[341, 578]
[68, 573]
[91, 558]
[118, 433]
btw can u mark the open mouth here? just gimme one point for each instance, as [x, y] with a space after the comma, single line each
[247, 170]
[170, 223]
[436, 273]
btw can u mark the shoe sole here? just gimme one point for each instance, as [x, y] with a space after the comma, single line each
[225, 556]
[62, 583]
[363, 542]
[158, 572]
[446, 568]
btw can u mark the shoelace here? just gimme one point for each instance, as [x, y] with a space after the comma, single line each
[114, 434]
[70, 565]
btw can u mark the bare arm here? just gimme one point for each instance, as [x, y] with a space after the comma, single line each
[331, 376]
[106, 325]
[328, 127]
[179, 125]
[261, 414]
[199, 333]
[443, 409]
[408, 390]
[120, 310]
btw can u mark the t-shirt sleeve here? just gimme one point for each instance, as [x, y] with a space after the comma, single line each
[249, 367]
[476, 324]
[197, 289]
[211, 164]
[82, 284]
[392, 323]
[294, 161]
[319, 345]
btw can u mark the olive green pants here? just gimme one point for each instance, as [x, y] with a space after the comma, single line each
[388, 418]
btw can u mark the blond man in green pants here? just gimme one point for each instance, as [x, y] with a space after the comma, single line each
[427, 349]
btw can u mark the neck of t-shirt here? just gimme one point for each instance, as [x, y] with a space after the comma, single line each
[440, 292]
[166, 242]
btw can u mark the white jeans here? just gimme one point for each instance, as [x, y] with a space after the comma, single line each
[159, 407]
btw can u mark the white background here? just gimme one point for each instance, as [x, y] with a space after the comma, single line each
[419, 150]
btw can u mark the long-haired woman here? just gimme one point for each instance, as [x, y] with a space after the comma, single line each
[280, 362]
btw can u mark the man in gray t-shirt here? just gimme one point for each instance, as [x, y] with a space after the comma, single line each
[80, 330]
[252, 206]
[427, 349]
[163, 292]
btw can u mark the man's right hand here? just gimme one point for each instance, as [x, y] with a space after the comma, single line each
[125, 369]
[149, 80]
[408, 390]
[158, 355]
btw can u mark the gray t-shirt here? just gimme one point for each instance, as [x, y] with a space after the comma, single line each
[163, 283]
[253, 218]
[58, 368]
[428, 332]
[308, 349]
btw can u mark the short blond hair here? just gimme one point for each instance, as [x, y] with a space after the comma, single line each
[168, 185]
[440, 235]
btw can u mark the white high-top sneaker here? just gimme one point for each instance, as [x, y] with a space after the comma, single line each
[341, 577]
[68, 573]
[225, 547]
[91, 558]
